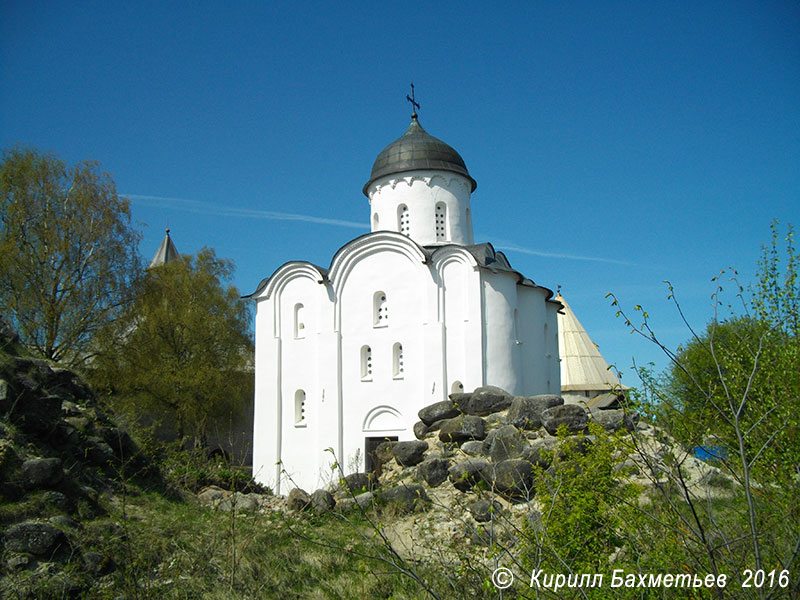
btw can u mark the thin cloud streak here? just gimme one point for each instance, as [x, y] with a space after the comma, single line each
[514, 248]
[208, 208]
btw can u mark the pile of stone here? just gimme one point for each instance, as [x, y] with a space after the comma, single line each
[501, 438]
[58, 451]
[487, 439]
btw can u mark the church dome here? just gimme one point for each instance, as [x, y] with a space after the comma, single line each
[417, 150]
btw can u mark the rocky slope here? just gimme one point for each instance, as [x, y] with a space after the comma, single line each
[60, 453]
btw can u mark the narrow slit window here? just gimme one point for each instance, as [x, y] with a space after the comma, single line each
[398, 368]
[441, 222]
[299, 321]
[380, 309]
[366, 363]
[300, 407]
[403, 220]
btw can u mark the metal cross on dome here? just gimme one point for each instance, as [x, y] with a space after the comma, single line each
[414, 103]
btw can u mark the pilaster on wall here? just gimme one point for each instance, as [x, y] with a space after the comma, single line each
[330, 414]
[267, 414]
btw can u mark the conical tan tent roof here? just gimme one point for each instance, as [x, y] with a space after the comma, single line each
[583, 368]
[166, 252]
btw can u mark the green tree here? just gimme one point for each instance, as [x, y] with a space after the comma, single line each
[741, 376]
[68, 255]
[182, 352]
[736, 384]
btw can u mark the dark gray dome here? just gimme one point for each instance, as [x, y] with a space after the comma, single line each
[415, 150]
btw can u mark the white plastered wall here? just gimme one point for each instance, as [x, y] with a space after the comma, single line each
[535, 342]
[420, 191]
[554, 363]
[502, 356]
[454, 320]
[459, 289]
[383, 403]
[288, 452]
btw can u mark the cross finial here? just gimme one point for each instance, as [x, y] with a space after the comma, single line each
[414, 103]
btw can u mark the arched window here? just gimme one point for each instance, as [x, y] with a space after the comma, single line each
[380, 314]
[366, 363]
[516, 327]
[299, 325]
[375, 222]
[441, 222]
[299, 408]
[398, 370]
[457, 387]
[403, 220]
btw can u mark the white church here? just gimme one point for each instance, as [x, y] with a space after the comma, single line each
[402, 317]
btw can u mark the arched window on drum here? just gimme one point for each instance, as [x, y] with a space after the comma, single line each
[403, 220]
[441, 222]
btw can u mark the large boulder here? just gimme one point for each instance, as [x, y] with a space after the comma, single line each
[503, 443]
[58, 500]
[483, 510]
[67, 385]
[408, 454]
[433, 471]
[211, 494]
[614, 419]
[461, 429]
[469, 473]
[473, 447]
[539, 456]
[36, 414]
[42, 472]
[574, 417]
[435, 426]
[322, 501]
[40, 539]
[98, 563]
[438, 411]
[98, 452]
[119, 441]
[484, 401]
[406, 498]
[525, 412]
[514, 478]
[298, 500]
[383, 452]
[356, 483]
[420, 430]
[240, 502]
[361, 501]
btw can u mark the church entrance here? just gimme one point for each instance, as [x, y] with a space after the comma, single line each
[370, 443]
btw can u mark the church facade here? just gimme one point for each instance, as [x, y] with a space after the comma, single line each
[403, 316]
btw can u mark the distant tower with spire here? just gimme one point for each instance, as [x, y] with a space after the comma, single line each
[167, 252]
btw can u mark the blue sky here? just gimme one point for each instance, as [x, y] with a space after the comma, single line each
[615, 145]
